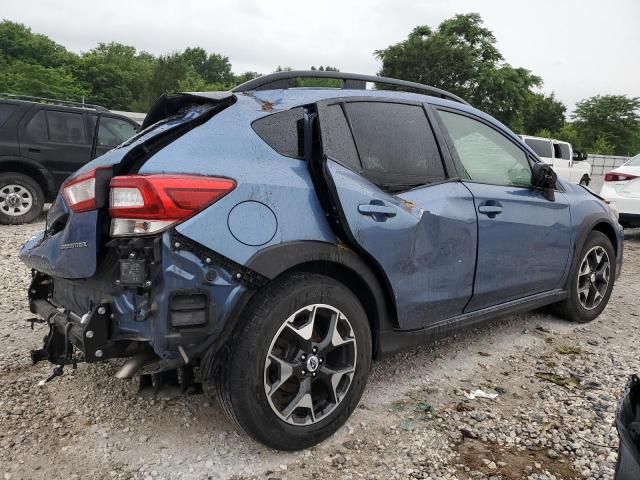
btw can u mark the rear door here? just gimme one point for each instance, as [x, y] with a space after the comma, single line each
[57, 138]
[396, 205]
[523, 238]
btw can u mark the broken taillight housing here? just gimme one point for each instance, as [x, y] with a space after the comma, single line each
[80, 192]
[618, 177]
[144, 204]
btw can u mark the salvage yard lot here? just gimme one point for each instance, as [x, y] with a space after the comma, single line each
[557, 386]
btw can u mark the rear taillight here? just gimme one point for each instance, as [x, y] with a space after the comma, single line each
[143, 204]
[80, 192]
[618, 177]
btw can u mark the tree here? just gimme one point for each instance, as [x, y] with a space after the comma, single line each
[117, 76]
[27, 79]
[461, 57]
[18, 43]
[613, 119]
[542, 112]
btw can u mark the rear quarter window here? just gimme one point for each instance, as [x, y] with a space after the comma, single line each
[6, 110]
[283, 131]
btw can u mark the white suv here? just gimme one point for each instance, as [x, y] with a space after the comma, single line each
[621, 187]
[566, 162]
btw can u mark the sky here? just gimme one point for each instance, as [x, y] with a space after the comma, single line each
[579, 48]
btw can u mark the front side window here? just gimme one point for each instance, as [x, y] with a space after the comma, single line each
[114, 131]
[562, 151]
[486, 155]
[396, 144]
[337, 140]
[66, 127]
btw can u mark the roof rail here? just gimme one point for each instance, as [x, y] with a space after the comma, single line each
[354, 81]
[53, 101]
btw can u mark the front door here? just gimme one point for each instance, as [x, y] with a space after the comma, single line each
[394, 204]
[524, 239]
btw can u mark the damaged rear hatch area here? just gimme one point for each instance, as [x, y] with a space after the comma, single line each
[78, 222]
[76, 261]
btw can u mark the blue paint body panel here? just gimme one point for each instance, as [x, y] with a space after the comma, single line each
[429, 248]
[522, 250]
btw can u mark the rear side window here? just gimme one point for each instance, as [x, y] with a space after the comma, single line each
[283, 132]
[395, 142]
[541, 147]
[66, 127]
[337, 140]
[37, 127]
[6, 110]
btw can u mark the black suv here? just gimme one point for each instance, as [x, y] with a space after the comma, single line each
[43, 141]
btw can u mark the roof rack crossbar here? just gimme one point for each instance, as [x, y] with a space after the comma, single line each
[284, 80]
[52, 101]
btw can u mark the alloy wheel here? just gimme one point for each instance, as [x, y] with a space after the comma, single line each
[15, 200]
[310, 364]
[593, 277]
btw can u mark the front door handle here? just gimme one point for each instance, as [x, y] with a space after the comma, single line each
[377, 210]
[491, 208]
[34, 150]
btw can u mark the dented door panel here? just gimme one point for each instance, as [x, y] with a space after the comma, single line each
[424, 240]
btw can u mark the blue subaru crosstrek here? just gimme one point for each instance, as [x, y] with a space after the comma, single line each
[270, 241]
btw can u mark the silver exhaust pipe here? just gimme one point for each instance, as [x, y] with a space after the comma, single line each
[135, 363]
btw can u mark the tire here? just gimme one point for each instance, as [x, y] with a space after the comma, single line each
[21, 199]
[584, 180]
[577, 306]
[245, 375]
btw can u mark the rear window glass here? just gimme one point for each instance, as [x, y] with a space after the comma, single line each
[283, 132]
[6, 110]
[337, 140]
[66, 127]
[541, 147]
[395, 142]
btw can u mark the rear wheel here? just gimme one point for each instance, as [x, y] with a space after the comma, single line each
[299, 365]
[21, 198]
[590, 281]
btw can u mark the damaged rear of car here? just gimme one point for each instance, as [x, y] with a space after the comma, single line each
[105, 267]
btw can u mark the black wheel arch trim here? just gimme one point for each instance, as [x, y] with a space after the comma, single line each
[45, 179]
[305, 254]
[588, 225]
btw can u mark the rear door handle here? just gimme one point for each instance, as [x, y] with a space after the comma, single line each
[34, 150]
[377, 210]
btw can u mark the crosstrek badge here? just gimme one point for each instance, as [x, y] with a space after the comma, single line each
[67, 246]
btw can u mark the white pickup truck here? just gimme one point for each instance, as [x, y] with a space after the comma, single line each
[568, 163]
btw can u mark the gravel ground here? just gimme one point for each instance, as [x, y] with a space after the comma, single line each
[553, 418]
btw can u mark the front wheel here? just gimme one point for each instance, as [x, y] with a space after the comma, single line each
[299, 364]
[584, 180]
[590, 281]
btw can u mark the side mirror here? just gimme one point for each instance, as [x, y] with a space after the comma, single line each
[544, 178]
[584, 156]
